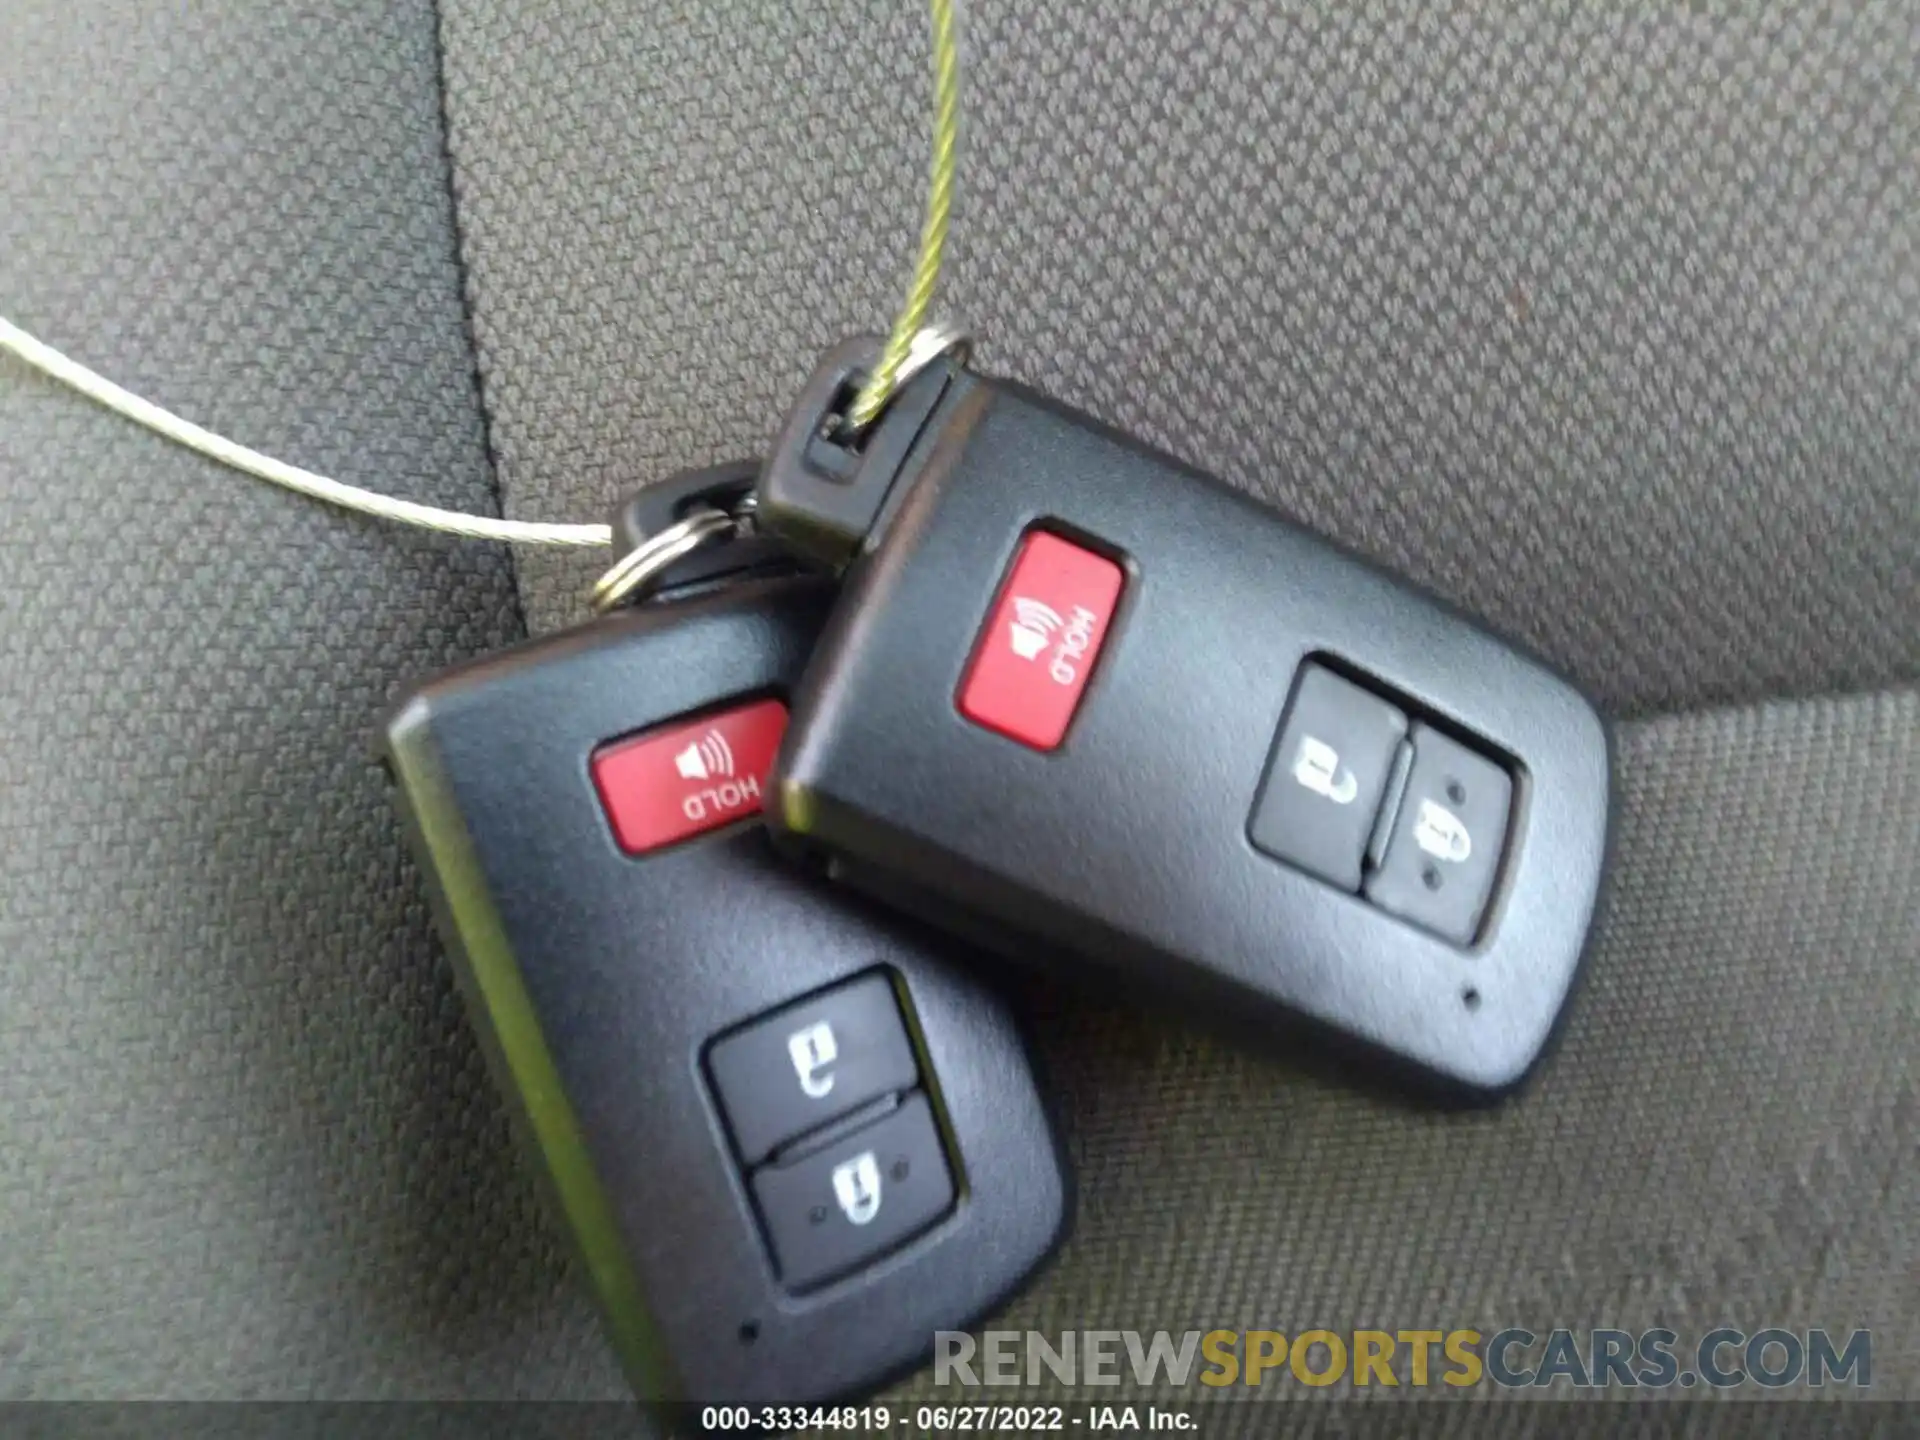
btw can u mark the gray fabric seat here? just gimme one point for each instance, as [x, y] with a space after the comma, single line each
[1599, 320]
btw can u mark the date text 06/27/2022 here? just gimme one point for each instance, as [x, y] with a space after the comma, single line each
[947, 1419]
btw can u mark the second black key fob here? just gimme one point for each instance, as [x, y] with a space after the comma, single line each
[1077, 688]
[792, 1135]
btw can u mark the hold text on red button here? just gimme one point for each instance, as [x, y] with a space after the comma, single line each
[1033, 660]
[673, 783]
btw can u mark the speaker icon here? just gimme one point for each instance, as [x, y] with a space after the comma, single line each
[1033, 625]
[708, 757]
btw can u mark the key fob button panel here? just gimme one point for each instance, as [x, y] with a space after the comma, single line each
[599, 980]
[788, 1073]
[1447, 837]
[1327, 777]
[1130, 849]
[844, 1205]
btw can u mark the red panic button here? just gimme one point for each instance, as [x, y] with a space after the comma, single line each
[670, 784]
[1033, 659]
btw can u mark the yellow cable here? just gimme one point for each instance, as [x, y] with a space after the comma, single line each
[878, 390]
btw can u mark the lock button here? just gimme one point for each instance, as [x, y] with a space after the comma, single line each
[1444, 847]
[1327, 776]
[811, 1062]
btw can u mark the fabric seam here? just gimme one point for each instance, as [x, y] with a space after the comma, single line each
[463, 272]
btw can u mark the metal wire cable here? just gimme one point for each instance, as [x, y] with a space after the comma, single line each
[53, 364]
[879, 387]
[867, 405]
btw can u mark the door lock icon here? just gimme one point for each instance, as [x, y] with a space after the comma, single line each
[856, 1186]
[812, 1051]
[1441, 833]
[1317, 766]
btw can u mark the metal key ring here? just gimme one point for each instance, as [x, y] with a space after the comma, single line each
[930, 343]
[641, 568]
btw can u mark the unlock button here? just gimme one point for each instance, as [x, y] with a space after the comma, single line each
[1445, 845]
[1326, 777]
[840, 1207]
[811, 1062]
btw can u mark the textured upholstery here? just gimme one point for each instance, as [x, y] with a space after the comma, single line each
[1599, 319]
[246, 1143]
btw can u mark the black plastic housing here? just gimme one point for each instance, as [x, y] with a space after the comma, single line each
[654, 507]
[1127, 847]
[596, 979]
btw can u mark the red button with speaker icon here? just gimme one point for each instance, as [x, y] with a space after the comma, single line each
[1033, 659]
[684, 779]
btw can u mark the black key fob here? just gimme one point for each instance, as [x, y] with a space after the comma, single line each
[793, 1136]
[1079, 689]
